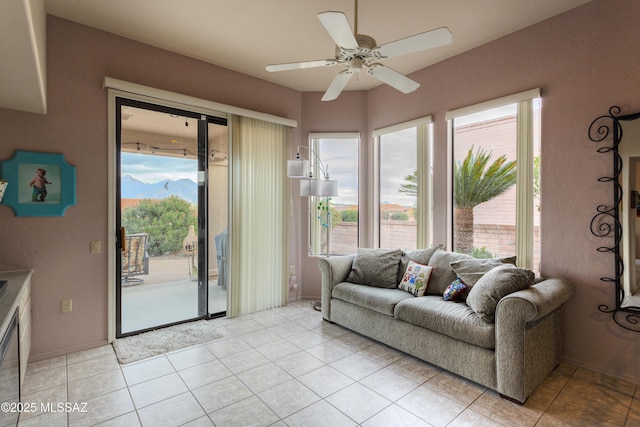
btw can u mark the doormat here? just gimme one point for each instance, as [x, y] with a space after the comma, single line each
[149, 344]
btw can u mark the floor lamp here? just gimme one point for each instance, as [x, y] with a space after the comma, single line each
[314, 186]
[311, 185]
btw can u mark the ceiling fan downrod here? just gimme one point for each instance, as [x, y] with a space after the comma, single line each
[355, 27]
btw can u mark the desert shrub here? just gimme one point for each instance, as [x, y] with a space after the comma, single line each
[166, 221]
[400, 216]
[350, 215]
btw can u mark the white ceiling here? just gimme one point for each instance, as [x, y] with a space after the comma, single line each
[247, 35]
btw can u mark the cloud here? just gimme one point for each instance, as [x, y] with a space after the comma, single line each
[151, 169]
[398, 159]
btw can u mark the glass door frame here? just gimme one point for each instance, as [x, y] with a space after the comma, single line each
[202, 182]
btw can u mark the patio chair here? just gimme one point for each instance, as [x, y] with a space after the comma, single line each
[135, 259]
[221, 249]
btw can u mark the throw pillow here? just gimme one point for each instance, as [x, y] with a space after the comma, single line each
[421, 256]
[455, 291]
[471, 270]
[442, 275]
[499, 282]
[416, 279]
[376, 267]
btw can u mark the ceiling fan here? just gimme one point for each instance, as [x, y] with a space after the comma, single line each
[359, 51]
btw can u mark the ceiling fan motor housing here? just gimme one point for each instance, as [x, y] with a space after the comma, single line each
[360, 56]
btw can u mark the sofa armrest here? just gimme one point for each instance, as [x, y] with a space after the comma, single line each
[529, 336]
[542, 298]
[334, 270]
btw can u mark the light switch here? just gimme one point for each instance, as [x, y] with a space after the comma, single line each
[95, 246]
[66, 306]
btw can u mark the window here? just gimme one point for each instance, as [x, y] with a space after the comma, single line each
[404, 185]
[333, 221]
[495, 188]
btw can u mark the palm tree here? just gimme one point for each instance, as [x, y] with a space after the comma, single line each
[475, 183]
[472, 185]
[410, 188]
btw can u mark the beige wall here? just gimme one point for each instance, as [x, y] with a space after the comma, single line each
[348, 113]
[57, 248]
[581, 63]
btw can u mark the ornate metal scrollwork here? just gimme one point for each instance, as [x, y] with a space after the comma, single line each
[606, 222]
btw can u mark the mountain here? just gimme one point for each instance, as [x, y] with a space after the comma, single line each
[186, 189]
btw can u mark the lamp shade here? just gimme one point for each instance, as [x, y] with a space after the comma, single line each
[305, 187]
[318, 187]
[324, 187]
[297, 168]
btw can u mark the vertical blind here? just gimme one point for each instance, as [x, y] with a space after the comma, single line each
[259, 240]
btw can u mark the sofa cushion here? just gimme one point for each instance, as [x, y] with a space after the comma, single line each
[421, 256]
[501, 281]
[456, 320]
[442, 275]
[376, 267]
[377, 299]
[471, 270]
[416, 279]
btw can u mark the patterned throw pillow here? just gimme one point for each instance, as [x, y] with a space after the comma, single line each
[416, 279]
[455, 290]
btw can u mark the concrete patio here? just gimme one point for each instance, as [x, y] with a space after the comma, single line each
[166, 295]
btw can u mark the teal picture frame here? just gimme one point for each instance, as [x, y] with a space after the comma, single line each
[31, 193]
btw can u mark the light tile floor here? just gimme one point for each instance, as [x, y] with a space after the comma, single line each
[286, 367]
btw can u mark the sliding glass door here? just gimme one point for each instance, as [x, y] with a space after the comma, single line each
[218, 217]
[172, 204]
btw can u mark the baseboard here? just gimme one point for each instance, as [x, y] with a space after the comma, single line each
[65, 351]
[595, 368]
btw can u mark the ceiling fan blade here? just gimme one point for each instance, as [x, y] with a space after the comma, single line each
[393, 78]
[338, 28]
[430, 39]
[338, 83]
[301, 65]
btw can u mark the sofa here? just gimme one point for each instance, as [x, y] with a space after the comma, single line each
[486, 320]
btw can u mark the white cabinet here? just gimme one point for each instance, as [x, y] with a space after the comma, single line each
[24, 325]
[16, 294]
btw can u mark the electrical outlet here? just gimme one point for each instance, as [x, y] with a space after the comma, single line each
[292, 269]
[66, 306]
[95, 246]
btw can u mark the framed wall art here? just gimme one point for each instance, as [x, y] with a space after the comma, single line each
[39, 184]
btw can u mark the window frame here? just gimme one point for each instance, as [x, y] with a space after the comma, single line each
[424, 175]
[524, 169]
[314, 226]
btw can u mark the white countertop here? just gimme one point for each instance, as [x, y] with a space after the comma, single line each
[10, 295]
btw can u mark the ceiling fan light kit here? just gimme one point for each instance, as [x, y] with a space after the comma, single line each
[360, 51]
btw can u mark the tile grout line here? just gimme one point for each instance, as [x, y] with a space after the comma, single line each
[348, 342]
